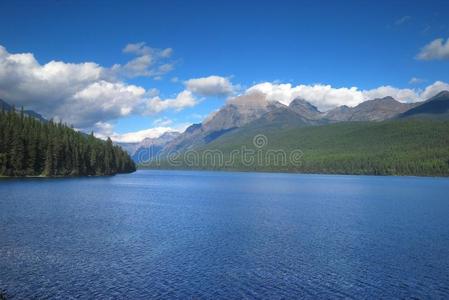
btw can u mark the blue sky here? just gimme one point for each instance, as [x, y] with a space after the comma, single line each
[344, 44]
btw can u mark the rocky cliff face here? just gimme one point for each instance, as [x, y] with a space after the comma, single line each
[305, 109]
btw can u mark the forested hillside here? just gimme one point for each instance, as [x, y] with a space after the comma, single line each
[400, 147]
[29, 147]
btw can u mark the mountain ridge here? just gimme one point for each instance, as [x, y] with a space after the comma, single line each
[299, 112]
[436, 107]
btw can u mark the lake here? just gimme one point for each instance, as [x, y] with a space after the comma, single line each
[188, 234]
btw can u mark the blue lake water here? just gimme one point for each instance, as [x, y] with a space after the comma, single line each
[180, 234]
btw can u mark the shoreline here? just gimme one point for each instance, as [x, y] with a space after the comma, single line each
[58, 176]
[291, 172]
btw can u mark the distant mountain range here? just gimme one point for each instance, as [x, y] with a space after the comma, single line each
[151, 147]
[379, 136]
[298, 113]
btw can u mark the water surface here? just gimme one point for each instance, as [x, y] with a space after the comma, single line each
[180, 234]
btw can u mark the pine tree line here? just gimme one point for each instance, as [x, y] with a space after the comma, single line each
[29, 147]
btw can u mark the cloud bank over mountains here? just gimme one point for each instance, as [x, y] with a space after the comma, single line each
[326, 97]
[104, 130]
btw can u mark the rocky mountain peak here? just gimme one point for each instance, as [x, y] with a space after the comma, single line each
[305, 109]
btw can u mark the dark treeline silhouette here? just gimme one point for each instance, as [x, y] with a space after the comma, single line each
[29, 147]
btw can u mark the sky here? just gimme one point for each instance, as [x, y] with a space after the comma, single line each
[132, 69]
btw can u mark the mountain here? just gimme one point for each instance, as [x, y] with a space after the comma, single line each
[435, 107]
[237, 115]
[262, 114]
[339, 114]
[372, 110]
[285, 117]
[236, 122]
[130, 148]
[374, 137]
[231, 116]
[394, 147]
[7, 107]
[305, 109]
[151, 147]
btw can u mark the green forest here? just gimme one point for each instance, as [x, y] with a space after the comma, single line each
[29, 147]
[398, 147]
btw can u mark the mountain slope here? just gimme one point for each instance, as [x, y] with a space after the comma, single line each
[151, 147]
[228, 118]
[299, 112]
[305, 109]
[356, 144]
[435, 107]
[396, 147]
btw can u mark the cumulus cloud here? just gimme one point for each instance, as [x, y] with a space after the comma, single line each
[437, 49]
[326, 97]
[104, 130]
[323, 96]
[434, 89]
[81, 94]
[101, 100]
[210, 86]
[182, 100]
[138, 136]
[402, 95]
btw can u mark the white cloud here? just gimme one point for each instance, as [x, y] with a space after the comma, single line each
[437, 49]
[81, 94]
[103, 130]
[434, 89]
[149, 62]
[416, 80]
[210, 86]
[326, 97]
[402, 95]
[183, 100]
[101, 100]
[137, 136]
[323, 96]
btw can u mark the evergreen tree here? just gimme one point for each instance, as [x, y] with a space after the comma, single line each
[31, 147]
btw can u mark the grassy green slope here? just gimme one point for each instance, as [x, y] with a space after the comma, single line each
[400, 147]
